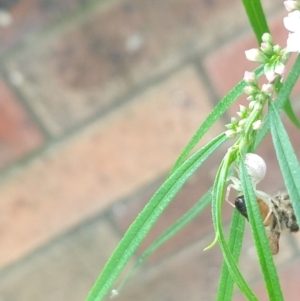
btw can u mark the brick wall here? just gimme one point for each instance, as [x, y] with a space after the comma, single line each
[98, 98]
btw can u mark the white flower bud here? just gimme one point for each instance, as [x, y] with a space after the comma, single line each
[279, 68]
[257, 125]
[229, 126]
[266, 48]
[258, 106]
[271, 75]
[230, 134]
[254, 55]
[267, 88]
[252, 105]
[242, 122]
[233, 121]
[250, 90]
[243, 109]
[277, 50]
[239, 129]
[249, 77]
[267, 38]
[290, 5]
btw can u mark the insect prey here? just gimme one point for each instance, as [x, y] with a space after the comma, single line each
[279, 217]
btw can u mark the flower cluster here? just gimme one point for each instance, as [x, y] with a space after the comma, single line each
[257, 98]
[236, 126]
[273, 57]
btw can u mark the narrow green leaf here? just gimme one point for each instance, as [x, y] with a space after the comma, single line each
[291, 114]
[259, 236]
[147, 218]
[225, 290]
[215, 115]
[257, 19]
[191, 214]
[234, 270]
[281, 99]
[287, 159]
[217, 200]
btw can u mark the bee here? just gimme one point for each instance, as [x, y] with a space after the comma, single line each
[281, 216]
[256, 168]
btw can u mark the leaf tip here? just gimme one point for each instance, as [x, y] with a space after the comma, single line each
[213, 243]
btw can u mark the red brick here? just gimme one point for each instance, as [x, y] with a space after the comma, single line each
[152, 37]
[94, 63]
[29, 17]
[65, 269]
[76, 179]
[18, 134]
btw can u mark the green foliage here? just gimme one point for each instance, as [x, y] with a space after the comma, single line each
[148, 216]
[259, 235]
[256, 18]
[287, 159]
[185, 166]
[235, 240]
[217, 199]
[288, 109]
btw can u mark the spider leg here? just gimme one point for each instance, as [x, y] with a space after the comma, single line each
[267, 217]
[236, 185]
[268, 200]
[265, 197]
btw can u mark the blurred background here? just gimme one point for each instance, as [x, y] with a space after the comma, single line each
[97, 100]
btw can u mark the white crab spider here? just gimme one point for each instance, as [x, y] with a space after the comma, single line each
[256, 168]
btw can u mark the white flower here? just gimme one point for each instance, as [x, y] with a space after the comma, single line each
[291, 5]
[293, 42]
[249, 77]
[292, 23]
[249, 90]
[252, 105]
[267, 88]
[257, 125]
[230, 133]
[271, 75]
[267, 38]
[279, 68]
[266, 48]
[254, 55]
